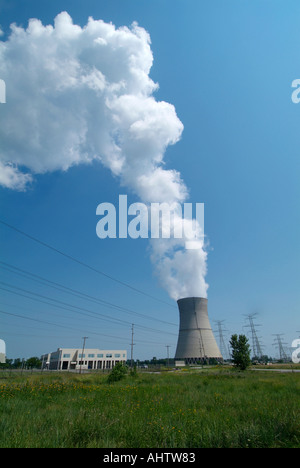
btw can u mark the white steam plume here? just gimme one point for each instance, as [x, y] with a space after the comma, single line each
[77, 94]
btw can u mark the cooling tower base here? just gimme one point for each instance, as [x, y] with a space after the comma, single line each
[201, 361]
[196, 341]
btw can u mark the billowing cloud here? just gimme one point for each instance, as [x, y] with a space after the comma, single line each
[78, 94]
[12, 178]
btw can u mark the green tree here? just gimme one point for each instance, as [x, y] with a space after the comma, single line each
[240, 351]
[33, 362]
[17, 363]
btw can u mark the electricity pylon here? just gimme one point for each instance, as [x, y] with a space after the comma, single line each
[279, 344]
[223, 347]
[256, 346]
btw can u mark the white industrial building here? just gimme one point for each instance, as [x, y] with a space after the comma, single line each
[2, 352]
[74, 358]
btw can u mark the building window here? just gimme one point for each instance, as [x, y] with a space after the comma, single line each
[81, 355]
[109, 355]
[91, 355]
[99, 355]
[117, 355]
[66, 355]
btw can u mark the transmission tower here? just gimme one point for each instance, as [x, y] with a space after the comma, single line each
[279, 344]
[223, 347]
[256, 346]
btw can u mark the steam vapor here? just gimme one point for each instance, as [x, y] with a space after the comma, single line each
[77, 94]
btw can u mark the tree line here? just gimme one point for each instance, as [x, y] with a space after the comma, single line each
[240, 357]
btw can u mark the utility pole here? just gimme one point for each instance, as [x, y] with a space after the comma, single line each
[42, 365]
[132, 345]
[59, 359]
[168, 346]
[83, 346]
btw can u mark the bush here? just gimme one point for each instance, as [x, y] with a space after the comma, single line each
[117, 373]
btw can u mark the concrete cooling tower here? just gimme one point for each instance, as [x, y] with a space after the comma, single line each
[196, 341]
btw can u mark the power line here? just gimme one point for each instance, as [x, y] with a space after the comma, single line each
[87, 312]
[81, 310]
[56, 324]
[69, 328]
[70, 257]
[75, 292]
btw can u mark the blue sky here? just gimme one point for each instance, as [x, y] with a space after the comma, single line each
[227, 68]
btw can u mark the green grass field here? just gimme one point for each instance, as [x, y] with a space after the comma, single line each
[183, 409]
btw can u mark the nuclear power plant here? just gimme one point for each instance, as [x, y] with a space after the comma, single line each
[196, 341]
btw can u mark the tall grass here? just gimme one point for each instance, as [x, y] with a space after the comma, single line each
[173, 410]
